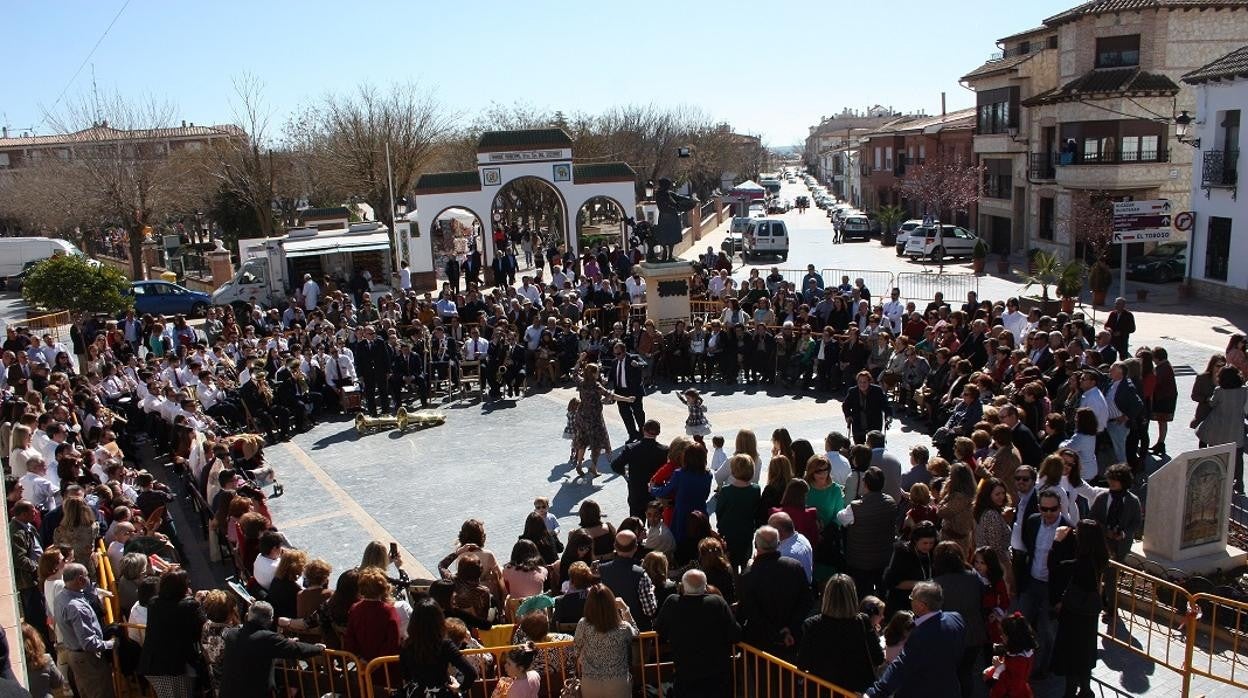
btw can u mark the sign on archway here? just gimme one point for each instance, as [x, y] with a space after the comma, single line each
[539, 159]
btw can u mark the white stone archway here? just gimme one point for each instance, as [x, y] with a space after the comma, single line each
[504, 157]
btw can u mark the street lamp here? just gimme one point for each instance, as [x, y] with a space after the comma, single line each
[1183, 130]
[1012, 131]
[400, 207]
[649, 189]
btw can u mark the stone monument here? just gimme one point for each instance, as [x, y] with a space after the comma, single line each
[667, 292]
[1188, 510]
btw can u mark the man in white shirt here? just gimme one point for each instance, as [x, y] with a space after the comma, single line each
[50, 349]
[833, 444]
[445, 307]
[894, 310]
[311, 293]
[36, 487]
[793, 544]
[340, 369]
[265, 568]
[405, 276]
[57, 433]
[1014, 320]
[475, 348]
[529, 291]
[1094, 399]
[635, 286]
[658, 536]
[717, 283]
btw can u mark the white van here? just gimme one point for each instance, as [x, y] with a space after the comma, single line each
[15, 252]
[766, 236]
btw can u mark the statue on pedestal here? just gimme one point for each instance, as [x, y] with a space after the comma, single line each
[668, 232]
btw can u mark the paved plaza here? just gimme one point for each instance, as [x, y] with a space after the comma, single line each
[489, 461]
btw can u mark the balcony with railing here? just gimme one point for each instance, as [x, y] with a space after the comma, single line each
[1114, 157]
[1220, 169]
[1043, 165]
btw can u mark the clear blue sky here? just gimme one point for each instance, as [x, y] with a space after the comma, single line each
[769, 68]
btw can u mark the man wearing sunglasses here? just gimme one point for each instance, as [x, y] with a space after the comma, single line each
[1040, 537]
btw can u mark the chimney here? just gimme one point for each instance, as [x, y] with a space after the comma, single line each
[942, 103]
[192, 124]
[104, 123]
[4, 131]
[184, 123]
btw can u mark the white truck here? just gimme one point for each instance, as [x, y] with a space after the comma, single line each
[271, 269]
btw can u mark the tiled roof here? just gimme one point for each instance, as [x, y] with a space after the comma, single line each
[108, 133]
[998, 66]
[332, 212]
[449, 180]
[1019, 35]
[603, 171]
[1107, 81]
[910, 124]
[1232, 65]
[1101, 7]
[529, 138]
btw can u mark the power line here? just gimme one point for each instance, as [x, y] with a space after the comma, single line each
[82, 65]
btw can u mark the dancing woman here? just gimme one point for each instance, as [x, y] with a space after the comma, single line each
[590, 430]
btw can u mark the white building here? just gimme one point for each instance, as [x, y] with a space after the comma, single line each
[1219, 239]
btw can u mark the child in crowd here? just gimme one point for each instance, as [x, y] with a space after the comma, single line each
[987, 564]
[697, 423]
[522, 681]
[921, 508]
[1011, 667]
[895, 634]
[873, 608]
[569, 431]
[718, 457]
[541, 506]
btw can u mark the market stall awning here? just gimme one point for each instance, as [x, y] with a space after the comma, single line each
[338, 243]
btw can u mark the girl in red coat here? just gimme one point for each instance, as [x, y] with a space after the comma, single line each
[1009, 673]
[987, 564]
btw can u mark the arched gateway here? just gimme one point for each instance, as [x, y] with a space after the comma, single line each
[503, 157]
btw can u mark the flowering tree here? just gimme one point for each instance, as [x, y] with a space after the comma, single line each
[942, 183]
[1092, 222]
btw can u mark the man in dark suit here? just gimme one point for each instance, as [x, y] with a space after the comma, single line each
[928, 665]
[702, 632]
[1105, 348]
[372, 364]
[252, 649]
[974, 349]
[1120, 323]
[407, 370]
[443, 357]
[773, 597]
[638, 462]
[1039, 539]
[625, 379]
[866, 408]
[1024, 440]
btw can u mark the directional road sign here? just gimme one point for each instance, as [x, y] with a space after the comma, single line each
[1141, 221]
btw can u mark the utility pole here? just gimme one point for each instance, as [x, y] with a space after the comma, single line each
[394, 227]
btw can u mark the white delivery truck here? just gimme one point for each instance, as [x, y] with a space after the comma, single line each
[271, 269]
[17, 252]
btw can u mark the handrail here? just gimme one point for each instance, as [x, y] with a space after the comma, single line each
[777, 677]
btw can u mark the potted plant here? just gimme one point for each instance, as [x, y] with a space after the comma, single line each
[1046, 270]
[1070, 285]
[889, 217]
[1031, 257]
[1099, 279]
[978, 254]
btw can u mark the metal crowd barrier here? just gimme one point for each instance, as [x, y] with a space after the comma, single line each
[49, 324]
[879, 283]
[757, 673]
[334, 673]
[922, 286]
[1217, 652]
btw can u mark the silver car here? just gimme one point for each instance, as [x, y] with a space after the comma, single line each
[939, 242]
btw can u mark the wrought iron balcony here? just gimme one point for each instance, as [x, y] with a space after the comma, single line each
[1043, 165]
[1220, 169]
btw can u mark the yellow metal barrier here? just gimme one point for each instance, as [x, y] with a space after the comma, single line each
[1216, 652]
[332, 673]
[1157, 609]
[128, 686]
[757, 673]
[47, 324]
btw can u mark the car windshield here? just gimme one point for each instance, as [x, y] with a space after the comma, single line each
[1166, 250]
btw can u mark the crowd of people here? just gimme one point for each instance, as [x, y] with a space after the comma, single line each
[984, 555]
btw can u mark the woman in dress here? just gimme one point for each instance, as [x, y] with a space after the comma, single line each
[603, 640]
[1165, 397]
[427, 654]
[838, 644]
[991, 528]
[1075, 593]
[956, 506]
[690, 486]
[175, 622]
[736, 509]
[601, 534]
[825, 495]
[1203, 386]
[221, 614]
[524, 575]
[590, 431]
[779, 472]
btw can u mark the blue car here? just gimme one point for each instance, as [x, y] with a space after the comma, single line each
[164, 298]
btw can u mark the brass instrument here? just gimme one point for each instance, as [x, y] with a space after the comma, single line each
[108, 416]
[401, 420]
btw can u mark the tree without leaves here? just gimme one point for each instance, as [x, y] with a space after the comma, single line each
[942, 184]
[1092, 222]
[246, 168]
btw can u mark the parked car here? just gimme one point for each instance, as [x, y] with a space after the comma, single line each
[164, 298]
[1164, 263]
[758, 211]
[903, 234]
[856, 225]
[767, 236]
[739, 224]
[938, 243]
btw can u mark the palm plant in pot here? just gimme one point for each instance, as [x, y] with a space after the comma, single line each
[1046, 271]
[1070, 285]
[978, 255]
[889, 217]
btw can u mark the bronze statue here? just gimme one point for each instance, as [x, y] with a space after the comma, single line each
[668, 231]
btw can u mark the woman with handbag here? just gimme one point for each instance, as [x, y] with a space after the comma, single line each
[1075, 593]
[839, 644]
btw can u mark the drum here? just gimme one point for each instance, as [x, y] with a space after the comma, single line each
[350, 400]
